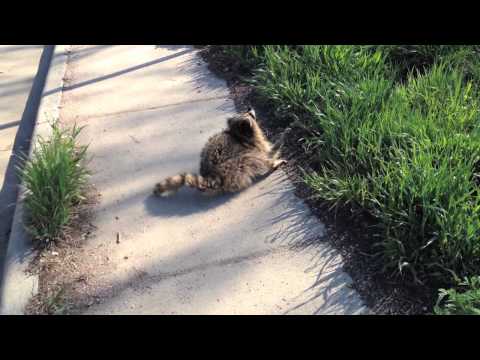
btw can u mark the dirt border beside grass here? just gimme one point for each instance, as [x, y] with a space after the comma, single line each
[347, 232]
[62, 283]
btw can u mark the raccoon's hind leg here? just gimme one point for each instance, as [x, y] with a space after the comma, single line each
[209, 185]
[275, 151]
[237, 182]
[275, 159]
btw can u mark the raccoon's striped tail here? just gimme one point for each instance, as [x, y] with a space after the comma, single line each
[171, 184]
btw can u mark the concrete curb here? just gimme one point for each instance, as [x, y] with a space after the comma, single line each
[18, 287]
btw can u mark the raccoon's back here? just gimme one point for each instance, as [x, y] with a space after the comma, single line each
[219, 149]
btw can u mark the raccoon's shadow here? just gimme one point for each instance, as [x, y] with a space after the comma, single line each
[189, 201]
[185, 202]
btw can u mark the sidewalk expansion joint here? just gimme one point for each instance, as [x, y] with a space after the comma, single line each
[152, 107]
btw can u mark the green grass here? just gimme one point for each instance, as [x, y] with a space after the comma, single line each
[465, 301]
[55, 180]
[398, 134]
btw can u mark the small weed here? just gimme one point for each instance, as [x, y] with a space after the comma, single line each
[55, 178]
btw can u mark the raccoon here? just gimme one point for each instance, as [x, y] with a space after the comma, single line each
[230, 161]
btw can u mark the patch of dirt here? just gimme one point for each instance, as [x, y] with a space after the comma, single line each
[64, 281]
[347, 231]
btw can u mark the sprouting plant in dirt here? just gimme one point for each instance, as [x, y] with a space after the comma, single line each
[54, 178]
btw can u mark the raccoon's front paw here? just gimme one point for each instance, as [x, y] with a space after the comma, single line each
[279, 163]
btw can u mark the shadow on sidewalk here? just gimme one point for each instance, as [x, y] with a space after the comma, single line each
[189, 201]
[9, 125]
[117, 73]
[185, 202]
[9, 190]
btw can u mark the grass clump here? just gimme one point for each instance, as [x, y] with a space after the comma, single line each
[55, 178]
[406, 152]
[465, 301]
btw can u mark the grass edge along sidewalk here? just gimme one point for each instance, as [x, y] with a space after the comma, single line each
[396, 130]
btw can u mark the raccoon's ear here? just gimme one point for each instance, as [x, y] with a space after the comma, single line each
[251, 112]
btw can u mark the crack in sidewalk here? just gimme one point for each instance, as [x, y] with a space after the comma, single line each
[142, 280]
[221, 262]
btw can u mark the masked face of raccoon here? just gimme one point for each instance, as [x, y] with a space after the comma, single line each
[240, 127]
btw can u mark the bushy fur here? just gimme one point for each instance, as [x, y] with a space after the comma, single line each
[230, 160]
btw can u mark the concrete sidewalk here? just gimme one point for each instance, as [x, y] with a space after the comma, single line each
[149, 110]
[18, 68]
